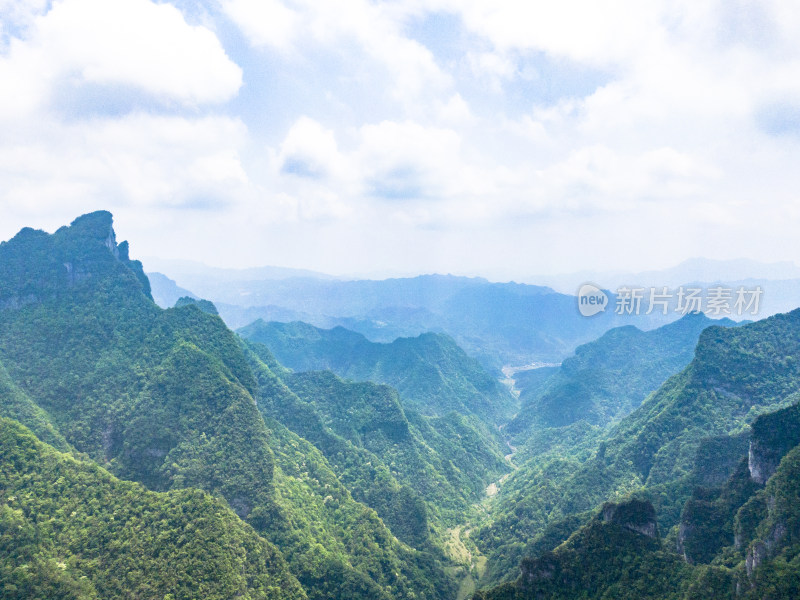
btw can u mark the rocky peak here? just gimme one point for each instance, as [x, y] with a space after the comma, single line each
[35, 265]
[98, 225]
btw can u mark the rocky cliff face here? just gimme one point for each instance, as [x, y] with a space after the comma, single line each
[761, 463]
[773, 436]
[636, 515]
[763, 549]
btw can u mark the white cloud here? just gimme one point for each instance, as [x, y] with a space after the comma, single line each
[581, 30]
[598, 178]
[392, 172]
[17, 15]
[265, 22]
[138, 161]
[310, 150]
[133, 43]
[55, 165]
[408, 160]
[495, 67]
[454, 111]
[366, 33]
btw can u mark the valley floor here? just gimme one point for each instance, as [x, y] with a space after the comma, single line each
[459, 547]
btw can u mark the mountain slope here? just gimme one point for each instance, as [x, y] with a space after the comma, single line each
[163, 397]
[735, 375]
[431, 373]
[418, 473]
[16, 405]
[69, 529]
[617, 555]
[608, 378]
[736, 540]
[370, 416]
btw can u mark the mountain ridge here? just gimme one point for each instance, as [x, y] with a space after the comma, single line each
[431, 373]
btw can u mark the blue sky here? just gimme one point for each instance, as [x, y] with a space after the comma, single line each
[501, 138]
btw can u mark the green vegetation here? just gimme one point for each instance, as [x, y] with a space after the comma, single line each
[699, 449]
[153, 453]
[204, 305]
[420, 474]
[15, 404]
[69, 529]
[608, 378]
[736, 374]
[747, 535]
[337, 547]
[431, 373]
[606, 558]
[448, 460]
[168, 398]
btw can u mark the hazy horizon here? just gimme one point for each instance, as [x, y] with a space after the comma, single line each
[737, 269]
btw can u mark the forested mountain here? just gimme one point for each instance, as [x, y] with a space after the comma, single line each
[419, 473]
[603, 382]
[684, 451]
[567, 413]
[431, 373]
[609, 377]
[153, 453]
[167, 398]
[736, 539]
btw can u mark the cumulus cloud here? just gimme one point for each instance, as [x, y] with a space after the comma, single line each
[136, 44]
[366, 33]
[51, 163]
[493, 127]
[407, 160]
[310, 150]
[596, 178]
[139, 160]
[265, 22]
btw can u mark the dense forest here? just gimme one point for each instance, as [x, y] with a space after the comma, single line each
[155, 453]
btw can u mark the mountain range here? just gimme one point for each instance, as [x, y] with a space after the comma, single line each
[497, 323]
[150, 451]
[689, 271]
[431, 373]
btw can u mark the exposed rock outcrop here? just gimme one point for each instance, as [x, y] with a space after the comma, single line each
[636, 515]
[773, 436]
[755, 556]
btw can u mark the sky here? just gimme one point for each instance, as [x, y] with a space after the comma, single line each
[502, 138]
